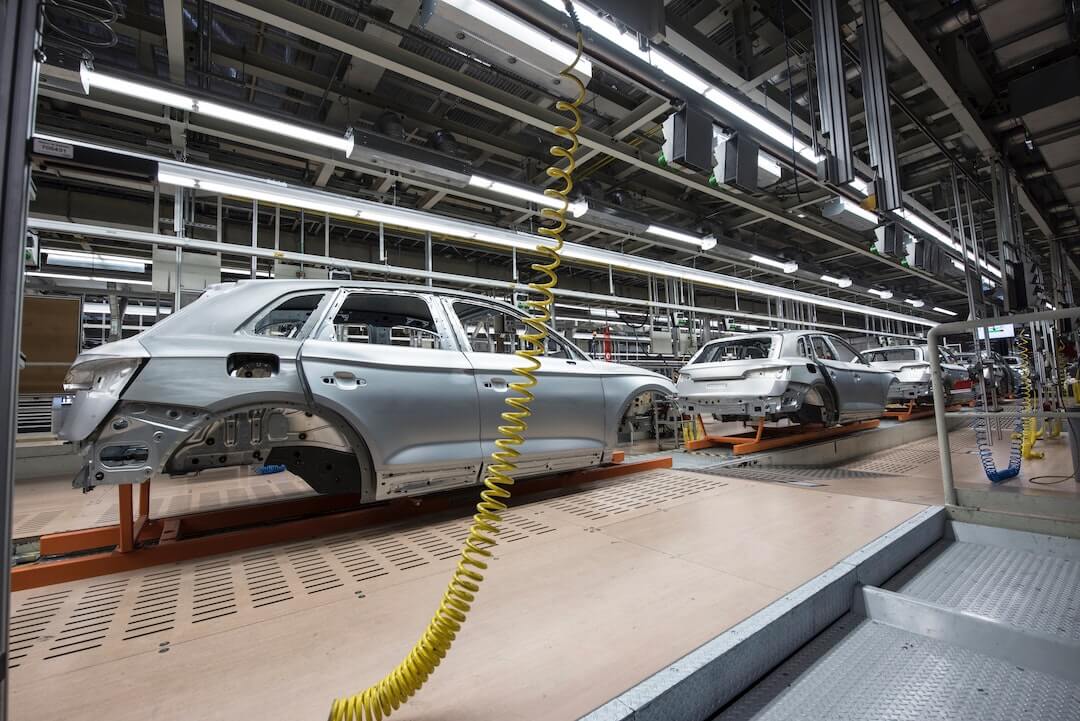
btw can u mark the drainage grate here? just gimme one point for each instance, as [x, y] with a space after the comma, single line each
[790, 474]
[652, 488]
[896, 462]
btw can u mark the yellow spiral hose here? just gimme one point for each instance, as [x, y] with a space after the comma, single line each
[1030, 432]
[398, 686]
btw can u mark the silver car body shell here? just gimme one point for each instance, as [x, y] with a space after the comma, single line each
[913, 377]
[778, 386]
[412, 420]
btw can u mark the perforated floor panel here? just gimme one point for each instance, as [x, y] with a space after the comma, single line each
[78, 623]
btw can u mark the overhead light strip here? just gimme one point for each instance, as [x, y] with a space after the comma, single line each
[282, 194]
[92, 79]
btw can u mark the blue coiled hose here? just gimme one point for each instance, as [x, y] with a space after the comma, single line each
[982, 430]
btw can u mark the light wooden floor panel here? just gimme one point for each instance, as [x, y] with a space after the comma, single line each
[591, 593]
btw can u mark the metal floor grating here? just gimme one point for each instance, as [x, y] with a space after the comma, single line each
[613, 500]
[78, 624]
[896, 462]
[994, 644]
[790, 474]
[862, 670]
[1028, 590]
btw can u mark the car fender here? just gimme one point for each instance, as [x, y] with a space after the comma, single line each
[620, 391]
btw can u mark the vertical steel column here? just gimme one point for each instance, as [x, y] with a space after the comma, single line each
[18, 78]
[839, 167]
[876, 104]
[427, 255]
[254, 237]
[382, 244]
[178, 231]
[220, 231]
[277, 227]
[326, 236]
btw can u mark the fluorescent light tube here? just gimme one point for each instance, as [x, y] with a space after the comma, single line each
[770, 166]
[860, 186]
[93, 79]
[76, 259]
[277, 127]
[839, 282]
[520, 30]
[673, 234]
[883, 294]
[914, 302]
[856, 209]
[65, 276]
[944, 311]
[514, 191]
[140, 310]
[787, 266]
[264, 192]
[429, 224]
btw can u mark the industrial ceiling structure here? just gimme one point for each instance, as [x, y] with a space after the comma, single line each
[982, 102]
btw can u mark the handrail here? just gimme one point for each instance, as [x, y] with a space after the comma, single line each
[932, 339]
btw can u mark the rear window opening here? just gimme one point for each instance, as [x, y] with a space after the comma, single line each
[737, 349]
[891, 354]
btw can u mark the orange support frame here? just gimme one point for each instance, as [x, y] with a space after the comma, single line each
[913, 412]
[144, 542]
[766, 438]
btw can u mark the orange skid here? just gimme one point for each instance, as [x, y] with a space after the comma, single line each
[767, 438]
[141, 542]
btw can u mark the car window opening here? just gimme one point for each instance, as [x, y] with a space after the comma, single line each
[384, 319]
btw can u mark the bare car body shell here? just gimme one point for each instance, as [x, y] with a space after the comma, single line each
[911, 364]
[806, 376]
[207, 387]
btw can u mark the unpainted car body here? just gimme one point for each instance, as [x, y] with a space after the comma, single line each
[805, 376]
[991, 367]
[375, 388]
[911, 364]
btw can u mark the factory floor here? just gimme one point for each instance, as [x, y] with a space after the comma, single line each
[593, 590]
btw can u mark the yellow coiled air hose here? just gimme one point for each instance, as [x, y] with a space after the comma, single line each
[1030, 434]
[399, 685]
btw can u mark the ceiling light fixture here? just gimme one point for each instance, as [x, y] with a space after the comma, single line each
[788, 266]
[945, 311]
[77, 259]
[93, 79]
[914, 302]
[245, 186]
[672, 234]
[96, 279]
[844, 282]
[883, 294]
[577, 208]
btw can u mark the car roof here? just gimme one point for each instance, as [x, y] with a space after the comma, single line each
[771, 333]
[224, 307]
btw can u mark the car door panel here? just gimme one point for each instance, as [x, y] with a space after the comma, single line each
[567, 426]
[840, 374]
[416, 408]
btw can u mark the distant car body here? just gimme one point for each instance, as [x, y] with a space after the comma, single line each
[373, 388]
[804, 376]
[911, 364]
[991, 367]
[1014, 364]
